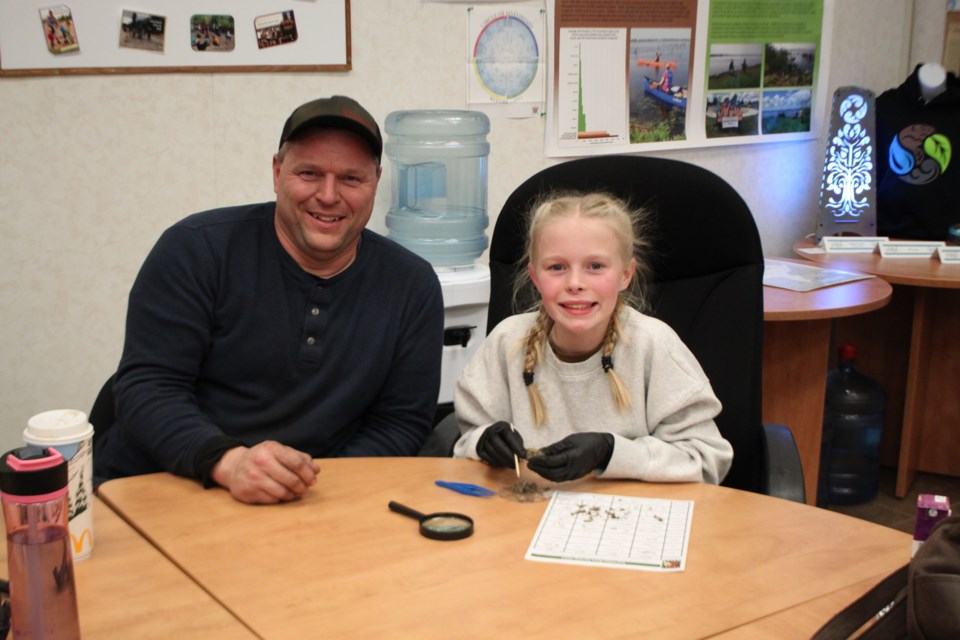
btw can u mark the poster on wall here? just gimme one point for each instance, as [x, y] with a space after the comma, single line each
[506, 60]
[627, 76]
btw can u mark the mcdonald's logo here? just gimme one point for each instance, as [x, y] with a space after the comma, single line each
[78, 544]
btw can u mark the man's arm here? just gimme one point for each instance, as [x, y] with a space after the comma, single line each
[401, 418]
[170, 324]
[168, 331]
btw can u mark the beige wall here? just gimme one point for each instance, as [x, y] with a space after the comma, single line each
[93, 168]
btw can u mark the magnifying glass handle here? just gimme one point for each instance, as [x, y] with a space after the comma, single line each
[405, 510]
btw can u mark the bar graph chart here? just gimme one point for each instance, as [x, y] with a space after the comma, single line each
[592, 100]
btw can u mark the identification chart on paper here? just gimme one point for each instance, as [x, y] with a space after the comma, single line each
[649, 534]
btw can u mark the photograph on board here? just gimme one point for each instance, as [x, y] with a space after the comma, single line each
[275, 29]
[659, 62]
[212, 32]
[140, 30]
[730, 114]
[786, 111]
[59, 30]
[789, 64]
[734, 66]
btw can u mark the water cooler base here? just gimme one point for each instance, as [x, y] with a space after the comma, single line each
[466, 297]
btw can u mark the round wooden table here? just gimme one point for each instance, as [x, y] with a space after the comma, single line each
[914, 354]
[339, 564]
[796, 352]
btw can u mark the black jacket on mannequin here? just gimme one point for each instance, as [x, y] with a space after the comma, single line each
[918, 180]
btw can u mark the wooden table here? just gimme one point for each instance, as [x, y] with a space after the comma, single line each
[339, 564]
[127, 589]
[803, 620]
[912, 349]
[796, 351]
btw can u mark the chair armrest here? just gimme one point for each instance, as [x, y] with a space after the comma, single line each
[783, 471]
[440, 442]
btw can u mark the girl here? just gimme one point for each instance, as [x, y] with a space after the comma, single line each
[586, 380]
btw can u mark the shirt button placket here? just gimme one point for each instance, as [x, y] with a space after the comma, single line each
[314, 321]
[314, 313]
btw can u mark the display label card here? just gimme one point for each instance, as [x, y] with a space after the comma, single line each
[851, 244]
[949, 255]
[909, 248]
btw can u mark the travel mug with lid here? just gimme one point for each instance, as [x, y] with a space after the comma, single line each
[43, 595]
[69, 431]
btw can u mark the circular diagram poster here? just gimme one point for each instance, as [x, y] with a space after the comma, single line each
[506, 56]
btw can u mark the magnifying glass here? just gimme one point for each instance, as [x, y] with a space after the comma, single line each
[437, 526]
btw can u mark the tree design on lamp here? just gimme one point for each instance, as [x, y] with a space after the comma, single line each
[847, 199]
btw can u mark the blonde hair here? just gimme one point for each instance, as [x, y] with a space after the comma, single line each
[627, 224]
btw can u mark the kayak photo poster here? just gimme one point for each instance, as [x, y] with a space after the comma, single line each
[642, 75]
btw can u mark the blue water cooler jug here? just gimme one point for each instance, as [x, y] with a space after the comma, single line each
[852, 427]
[438, 208]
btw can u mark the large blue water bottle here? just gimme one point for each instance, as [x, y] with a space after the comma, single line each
[439, 171]
[852, 427]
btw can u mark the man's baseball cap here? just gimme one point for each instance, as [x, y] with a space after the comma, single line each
[335, 112]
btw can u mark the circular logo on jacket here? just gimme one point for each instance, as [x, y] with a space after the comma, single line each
[919, 155]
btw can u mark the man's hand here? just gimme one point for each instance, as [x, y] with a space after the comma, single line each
[266, 473]
[573, 457]
[499, 443]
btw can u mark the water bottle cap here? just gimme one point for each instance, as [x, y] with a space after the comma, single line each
[437, 122]
[846, 351]
[33, 471]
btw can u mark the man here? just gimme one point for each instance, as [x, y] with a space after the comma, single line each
[262, 336]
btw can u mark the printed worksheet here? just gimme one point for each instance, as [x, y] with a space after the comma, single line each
[649, 534]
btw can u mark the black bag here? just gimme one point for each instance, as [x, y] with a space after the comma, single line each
[919, 601]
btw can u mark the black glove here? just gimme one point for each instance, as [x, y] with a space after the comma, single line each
[573, 457]
[499, 443]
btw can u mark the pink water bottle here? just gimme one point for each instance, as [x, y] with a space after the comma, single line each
[43, 595]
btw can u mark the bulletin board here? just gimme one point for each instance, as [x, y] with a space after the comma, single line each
[44, 37]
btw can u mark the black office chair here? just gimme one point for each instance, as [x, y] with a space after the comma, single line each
[707, 284]
[103, 414]
[104, 411]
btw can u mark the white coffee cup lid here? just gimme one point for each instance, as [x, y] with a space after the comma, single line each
[59, 426]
